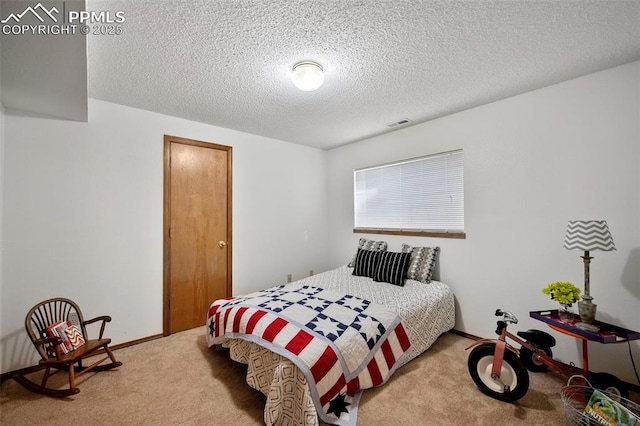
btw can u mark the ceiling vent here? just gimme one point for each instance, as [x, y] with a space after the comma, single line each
[402, 122]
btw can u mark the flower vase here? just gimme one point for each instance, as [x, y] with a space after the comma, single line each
[565, 313]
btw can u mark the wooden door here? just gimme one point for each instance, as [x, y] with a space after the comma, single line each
[197, 230]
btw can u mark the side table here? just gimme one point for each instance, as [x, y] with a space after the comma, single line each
[608, 333]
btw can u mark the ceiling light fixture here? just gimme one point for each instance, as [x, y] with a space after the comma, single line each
[307, 76]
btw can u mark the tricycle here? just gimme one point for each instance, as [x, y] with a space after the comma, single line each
[501, 370]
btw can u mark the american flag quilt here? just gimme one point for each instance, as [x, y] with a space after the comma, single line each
[342, 343]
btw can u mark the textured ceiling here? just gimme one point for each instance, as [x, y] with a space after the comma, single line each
[228, 62]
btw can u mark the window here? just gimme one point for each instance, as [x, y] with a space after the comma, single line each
[421, 196]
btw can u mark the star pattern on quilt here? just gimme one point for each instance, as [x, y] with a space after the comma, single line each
[354, 303]
[275, 304]
[276, 291]
[368, 327]
[314, 303]
[309, 290]
[212, 328]
[326, 326]
[338, 405]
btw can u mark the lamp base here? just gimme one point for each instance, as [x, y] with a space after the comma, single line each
[587, 309]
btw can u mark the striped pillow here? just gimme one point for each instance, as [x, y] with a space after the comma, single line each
[366, 263]
[392, 267]
[368, 245]
[423, 260]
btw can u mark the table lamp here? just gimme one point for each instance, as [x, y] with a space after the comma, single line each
[588, 235]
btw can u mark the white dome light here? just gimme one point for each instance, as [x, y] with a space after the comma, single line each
[307, 76]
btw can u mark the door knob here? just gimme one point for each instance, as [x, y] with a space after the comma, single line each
[221, 244]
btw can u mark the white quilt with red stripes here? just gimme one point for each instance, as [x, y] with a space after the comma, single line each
[342, 343]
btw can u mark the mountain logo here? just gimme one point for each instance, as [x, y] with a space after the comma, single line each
[34, 11]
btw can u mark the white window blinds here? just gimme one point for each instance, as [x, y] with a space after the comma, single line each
[425, 193]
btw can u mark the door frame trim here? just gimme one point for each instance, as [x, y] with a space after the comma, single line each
[166, 284]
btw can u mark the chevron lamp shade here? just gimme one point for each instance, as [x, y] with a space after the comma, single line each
[588, 235]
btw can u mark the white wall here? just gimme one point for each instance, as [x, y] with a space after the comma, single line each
[83, 216]
[532, 162]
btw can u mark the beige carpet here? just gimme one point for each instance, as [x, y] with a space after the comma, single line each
[179, 381]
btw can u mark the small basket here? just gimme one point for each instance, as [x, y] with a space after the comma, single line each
[575, 399]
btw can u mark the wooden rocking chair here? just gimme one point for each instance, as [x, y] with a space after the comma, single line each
[57, 355]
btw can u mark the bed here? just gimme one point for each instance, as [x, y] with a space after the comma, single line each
[423, 312]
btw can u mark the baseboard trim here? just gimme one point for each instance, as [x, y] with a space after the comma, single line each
[27, 370]
[10, 374]
[463, 334]
[136, 342]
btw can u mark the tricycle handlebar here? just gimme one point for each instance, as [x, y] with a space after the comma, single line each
[506, 316]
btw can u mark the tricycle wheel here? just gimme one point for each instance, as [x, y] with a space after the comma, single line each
[532, 361]
[610, 383]
[513, 382]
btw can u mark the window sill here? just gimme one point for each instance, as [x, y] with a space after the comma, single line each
[412, 232]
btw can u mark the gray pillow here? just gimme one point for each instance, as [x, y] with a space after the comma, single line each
[423, 260]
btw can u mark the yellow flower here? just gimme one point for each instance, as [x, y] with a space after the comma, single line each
[563, 292]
